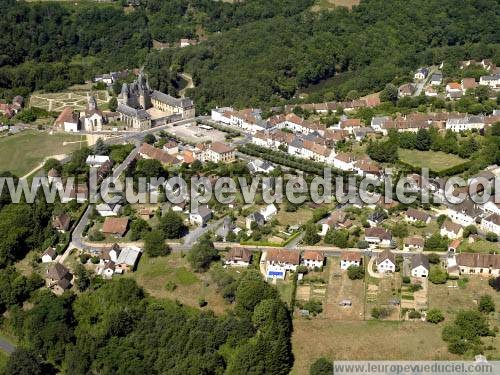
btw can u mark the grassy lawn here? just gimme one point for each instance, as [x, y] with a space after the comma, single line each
[301, 216]
[434, 160]
[285, 289]
[22, 152]
[364, 340]
[153, 274]
[481, 246]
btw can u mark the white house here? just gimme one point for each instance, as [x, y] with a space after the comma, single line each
[200, 216]
[350, 258]
[313, 259]
[49, 255]
[451, 230]
[96, 160]
[421, 73]
[279, 261]
[222, 115]
[260, 166]
[68, 120]
[269, 211]
[464, 213]
[419, 265]
[491, 223]
[344, 161]
[465, 123]
[492, 81]
[386, 262]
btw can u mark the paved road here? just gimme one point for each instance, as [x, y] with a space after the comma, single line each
[194, 235]
[421, 84]
[77, 235]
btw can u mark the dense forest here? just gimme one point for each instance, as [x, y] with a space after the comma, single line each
[114, 328]
[258, 52]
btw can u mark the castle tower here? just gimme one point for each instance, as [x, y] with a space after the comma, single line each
[144, 92]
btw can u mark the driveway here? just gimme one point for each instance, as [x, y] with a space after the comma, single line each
[369, 268]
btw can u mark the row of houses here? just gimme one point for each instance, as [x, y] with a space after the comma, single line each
[278, 261]
[170, 154]
[453, 121]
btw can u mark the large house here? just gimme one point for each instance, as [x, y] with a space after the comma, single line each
[58, 278]
[116, 226]
[386, 262]
[238, 257]
[147, 151]
[465, 213]
[279, 261]
[378, 236]
[218, 152]
[313, 259]
[465, 123]
[491, 223]
[68, 120]
[479, 264]
[414, 216]
[451, 230]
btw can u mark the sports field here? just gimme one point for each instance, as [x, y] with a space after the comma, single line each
[22, 152]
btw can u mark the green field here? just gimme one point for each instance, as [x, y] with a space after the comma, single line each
[434, 160]
[22, 152]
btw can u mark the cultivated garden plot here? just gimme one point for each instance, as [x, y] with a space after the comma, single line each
[345, 297]
[75, 99]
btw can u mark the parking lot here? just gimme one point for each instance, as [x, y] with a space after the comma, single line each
[193, 133]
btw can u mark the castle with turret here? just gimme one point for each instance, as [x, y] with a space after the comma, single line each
[141, 108]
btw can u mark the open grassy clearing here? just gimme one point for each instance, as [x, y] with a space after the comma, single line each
[374, 340]
[463, 295]
[22, 152]
[153, 274]
[330, 4]
[434, 160]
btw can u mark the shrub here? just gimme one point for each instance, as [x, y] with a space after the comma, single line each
[314, 307]
[84, 258]
[434, 316]
[95, 260]
[486, 304]
[492, 237]
[414, 314]
[437, 275]
[355, 272]
[202, 302]
[406, 279]
[170, 286]
[414, 287]
[380, 312]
